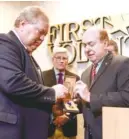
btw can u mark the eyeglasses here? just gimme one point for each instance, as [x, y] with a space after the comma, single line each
[58, 58]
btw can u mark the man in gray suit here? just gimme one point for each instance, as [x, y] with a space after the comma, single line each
[63, 124]
[105, 85]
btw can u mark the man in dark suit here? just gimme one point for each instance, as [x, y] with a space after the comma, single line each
[63, 125]
[106, 81]
[24, 102]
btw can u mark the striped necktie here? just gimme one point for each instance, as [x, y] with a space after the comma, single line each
[93, 72]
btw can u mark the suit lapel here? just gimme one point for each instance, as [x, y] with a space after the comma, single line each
[15, 39]
[102, 68]
[37, 69]
[66, 72]
[53, 76]
[88, 81]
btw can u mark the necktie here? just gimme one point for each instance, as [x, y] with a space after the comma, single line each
[60, 78]
[93, 72]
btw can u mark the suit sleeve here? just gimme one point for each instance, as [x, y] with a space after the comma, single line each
[15, 84]
[120, 98]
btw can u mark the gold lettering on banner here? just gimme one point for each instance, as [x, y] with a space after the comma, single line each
[72, 31]
[52, 35]
[61, 34]
[69, 34]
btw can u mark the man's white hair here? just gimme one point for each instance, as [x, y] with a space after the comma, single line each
[59, 50]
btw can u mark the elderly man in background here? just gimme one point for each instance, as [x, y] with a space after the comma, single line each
[63, 125]
[24, 101]
[105, 82]
[112, 47]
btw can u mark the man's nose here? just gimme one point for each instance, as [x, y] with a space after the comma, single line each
[42, 37]
[87, 48]
[61, 60]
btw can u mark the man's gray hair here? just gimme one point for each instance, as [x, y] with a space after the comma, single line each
[31, 14]
[59, 50]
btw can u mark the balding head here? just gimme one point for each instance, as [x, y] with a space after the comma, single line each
[96, 42]
[96, 32]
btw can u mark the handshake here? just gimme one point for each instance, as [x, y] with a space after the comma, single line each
[80, 89]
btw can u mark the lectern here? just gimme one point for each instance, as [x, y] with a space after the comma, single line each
[115, 123]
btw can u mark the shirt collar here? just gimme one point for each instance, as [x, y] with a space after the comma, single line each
[57, 71]
[15, 32]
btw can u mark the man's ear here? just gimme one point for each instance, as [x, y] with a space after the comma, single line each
[23, 22]
[52, 58]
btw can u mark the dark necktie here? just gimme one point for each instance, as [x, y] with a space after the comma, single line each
[60, 78]
[93, 72]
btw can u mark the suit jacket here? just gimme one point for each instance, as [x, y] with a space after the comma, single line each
[70, 128]
[109, 88]
[24, 102]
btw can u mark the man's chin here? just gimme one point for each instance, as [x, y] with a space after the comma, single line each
[37, 44]
[30, 51]
[92, 60]
[61, 69]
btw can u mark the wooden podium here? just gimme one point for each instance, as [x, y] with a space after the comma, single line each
[115, 123]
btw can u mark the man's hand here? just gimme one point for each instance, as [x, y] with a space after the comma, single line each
[60, 120]
[60, 90]
[82, 90]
